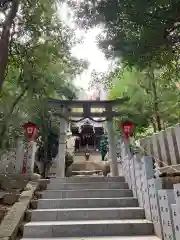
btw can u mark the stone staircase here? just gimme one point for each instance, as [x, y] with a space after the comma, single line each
[88, 207]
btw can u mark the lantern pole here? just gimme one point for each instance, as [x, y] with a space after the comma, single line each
[127, 130]
[29, 156]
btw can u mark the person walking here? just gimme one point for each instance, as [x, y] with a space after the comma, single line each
[87, 153]
[103, 147]
[77, 143]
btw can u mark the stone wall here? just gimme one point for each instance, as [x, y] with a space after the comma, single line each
[164, 146]
[8, 161]
[162, 206]
[13, 161]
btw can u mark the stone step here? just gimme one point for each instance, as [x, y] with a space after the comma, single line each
[84, 203]
[102, 238]
[86, 185]
[78, 179]
[87, 173]
[89, 193]
[75, 214]
[88, 228]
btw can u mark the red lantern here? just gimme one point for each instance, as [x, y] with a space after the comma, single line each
[127, 129]
[31, 130]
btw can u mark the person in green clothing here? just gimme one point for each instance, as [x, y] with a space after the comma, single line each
[103, 147]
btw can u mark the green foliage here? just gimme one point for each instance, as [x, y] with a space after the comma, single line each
[141, 108]
[140, 32]
[103, 146]
[40, 67]
[144, 35]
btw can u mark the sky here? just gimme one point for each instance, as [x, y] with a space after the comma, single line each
[88, 50]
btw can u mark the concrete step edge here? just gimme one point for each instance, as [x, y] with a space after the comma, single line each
[88, 179]
[89, 222]
[152, 237]
[100, 177]
[84, 214]
[85, 190]
[74, 202]
[93, 184]
[80, 199]
[88, 228]
[88, 209]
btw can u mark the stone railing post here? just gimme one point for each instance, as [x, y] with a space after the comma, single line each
[172, 146]
[176, 222]
[166, 198]
[138, 177]
[133, 176]
[125, 164]
[177, 136]
[159, 204]
[126, 170]
[31, 151]
[146, 174]
[176, 211]
[146, 190]
[126, 159]
[154, 185]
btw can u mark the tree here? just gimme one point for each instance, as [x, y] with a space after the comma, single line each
[23, 23]
[153, 98]
[97, 78]
[137, 31]
[144, 35]
[40, 66]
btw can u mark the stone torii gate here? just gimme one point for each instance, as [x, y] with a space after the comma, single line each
[64, 109]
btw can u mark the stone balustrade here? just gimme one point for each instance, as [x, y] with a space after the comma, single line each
[13, 161]
[164, 146]
[24, 155]
[162, 206]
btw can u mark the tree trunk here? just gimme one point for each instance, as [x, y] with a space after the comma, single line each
[5, 38]
[45, 139]
[156, 103]
[154, 126]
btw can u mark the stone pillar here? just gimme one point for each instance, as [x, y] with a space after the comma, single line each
[127, 148]
[157, 150]
[31, 157]
[60, 172]
[19, 157]
[112, 148]
[169, 134]
[177, 137]
[165, 153]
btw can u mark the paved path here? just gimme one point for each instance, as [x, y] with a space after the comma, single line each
[93, 157]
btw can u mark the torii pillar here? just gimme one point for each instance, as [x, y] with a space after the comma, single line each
[60, 166]
[112, 143]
